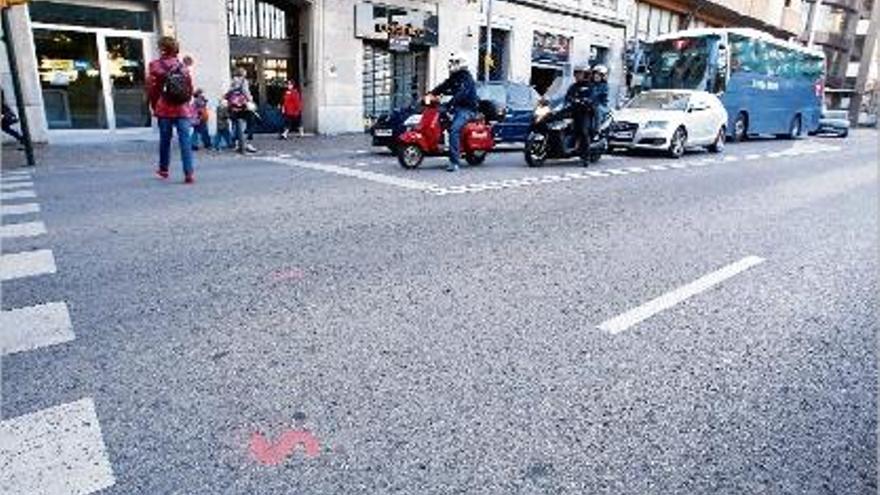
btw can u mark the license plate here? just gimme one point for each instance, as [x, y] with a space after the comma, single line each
[382, 132]
[623, 135]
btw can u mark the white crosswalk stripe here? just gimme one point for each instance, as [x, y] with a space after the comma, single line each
[55, 451]
[17, 195]
[11, 186]
[25, 329]
[26, 264]
[19, 209]
[27, 229]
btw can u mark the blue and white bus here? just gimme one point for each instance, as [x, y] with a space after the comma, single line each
[767, 85]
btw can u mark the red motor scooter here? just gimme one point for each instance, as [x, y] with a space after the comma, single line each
[427, 137]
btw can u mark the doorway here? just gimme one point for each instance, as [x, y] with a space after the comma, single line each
[92, 78]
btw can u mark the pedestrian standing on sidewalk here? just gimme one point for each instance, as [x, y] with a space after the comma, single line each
[223, 133]
[9, 119]
[291, 108]
[199, 111]
[240, 100]
[169, 88]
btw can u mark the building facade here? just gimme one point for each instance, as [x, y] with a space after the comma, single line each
[83, 62]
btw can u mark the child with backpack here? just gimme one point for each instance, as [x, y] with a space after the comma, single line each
[200, 120]
[240, 103]
[170, 88]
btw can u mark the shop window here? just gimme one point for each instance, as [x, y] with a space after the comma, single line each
[499, 46]
[80, 15]
[256, 19]
[70, 78]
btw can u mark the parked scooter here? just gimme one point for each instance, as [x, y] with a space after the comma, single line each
[553, 135]
[427, 137]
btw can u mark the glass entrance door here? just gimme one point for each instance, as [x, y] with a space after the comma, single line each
[92, 78]
[70, 75]
[125, 57]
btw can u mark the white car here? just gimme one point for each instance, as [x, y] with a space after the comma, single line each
[670, 121]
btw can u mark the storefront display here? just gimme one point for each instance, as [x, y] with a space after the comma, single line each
[395, 64]
[91, 65]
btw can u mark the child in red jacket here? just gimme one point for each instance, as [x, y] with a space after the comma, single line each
[291, 108]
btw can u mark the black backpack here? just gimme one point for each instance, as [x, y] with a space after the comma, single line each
[176, 88]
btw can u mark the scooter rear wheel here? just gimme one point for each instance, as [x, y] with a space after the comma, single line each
[410, 156]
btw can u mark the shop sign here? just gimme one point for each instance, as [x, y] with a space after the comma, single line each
[548, 48]
[399, 26]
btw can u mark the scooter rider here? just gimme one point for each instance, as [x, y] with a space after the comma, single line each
[576, 97]
[599, 95]
[461, 86]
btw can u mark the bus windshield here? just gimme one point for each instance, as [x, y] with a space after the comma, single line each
[679, 63]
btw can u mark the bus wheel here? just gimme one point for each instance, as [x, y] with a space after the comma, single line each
[794, 128]
[741, 128]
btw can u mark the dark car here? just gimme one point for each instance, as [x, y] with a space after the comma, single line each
[515, 101]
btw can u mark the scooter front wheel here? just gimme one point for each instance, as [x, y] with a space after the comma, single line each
[475, 158]
[410, 156]
[536, 149]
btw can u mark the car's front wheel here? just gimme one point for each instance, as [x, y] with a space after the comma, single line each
[678, 143]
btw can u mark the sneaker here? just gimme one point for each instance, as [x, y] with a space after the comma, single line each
[162, 174]
[250, 148]
[452, 168]
[189, 179]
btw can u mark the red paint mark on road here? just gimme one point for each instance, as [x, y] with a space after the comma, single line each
[271, 454]
[290, 274]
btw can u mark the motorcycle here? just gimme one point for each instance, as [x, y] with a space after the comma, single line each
[553, 135]
[427, 137]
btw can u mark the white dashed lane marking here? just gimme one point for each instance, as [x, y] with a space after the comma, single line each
[26, 264]
[55, 451]
[27, 229]
[624, 171]
[359, 174]
[19, 209]
[25, 329]
[670, 299]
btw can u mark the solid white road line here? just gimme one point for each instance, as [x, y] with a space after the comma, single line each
[10, 186]
[666, 301]
[27, 229]
[359, 174]
[26, 264]
[25, 329]
[19, 209]
[17, 195]
[59, 450]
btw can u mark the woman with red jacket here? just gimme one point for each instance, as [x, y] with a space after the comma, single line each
[169, 88]
[291, 108]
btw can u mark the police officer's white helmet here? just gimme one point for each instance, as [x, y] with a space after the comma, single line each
[458, 60]
[601, 69]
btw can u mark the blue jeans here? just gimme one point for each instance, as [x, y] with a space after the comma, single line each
[239, 122]
[184, 129]
[223, 135]
[461, 117]
[201, 132]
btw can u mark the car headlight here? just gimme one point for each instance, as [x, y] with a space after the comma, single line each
[656, 124]
[412, 120]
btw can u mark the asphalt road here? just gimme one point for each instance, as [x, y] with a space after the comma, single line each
[445, 333]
